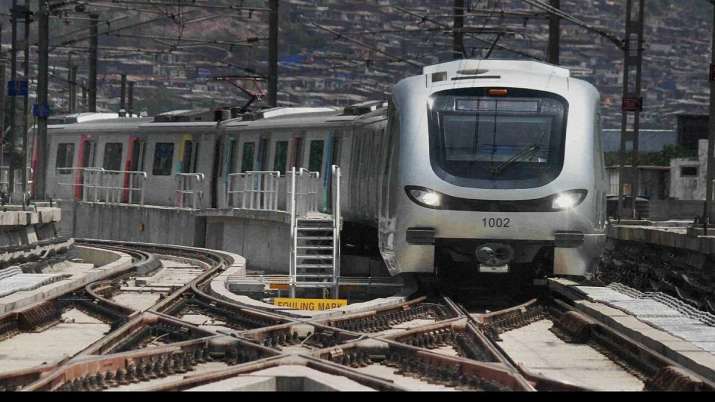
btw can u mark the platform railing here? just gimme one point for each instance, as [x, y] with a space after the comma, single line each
[337, 227]
[98, 185]
[189, 190]
[307, 187]
[254, 190]
[17, 190]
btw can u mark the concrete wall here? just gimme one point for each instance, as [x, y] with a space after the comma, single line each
[146, 224]
[262, 238]
[661, 210]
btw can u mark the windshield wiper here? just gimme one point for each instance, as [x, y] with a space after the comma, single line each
[528, 151]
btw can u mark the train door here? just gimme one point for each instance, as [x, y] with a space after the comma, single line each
[188, 149]
[87, 159]
[135, 163]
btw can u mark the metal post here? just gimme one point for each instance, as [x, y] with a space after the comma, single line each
[42, 101]
[123, 97]
[73, 83]
[632, 101]
[12, 137]
[3, 93]
[711, 138]
[273, 54]
[26, 104]
[553, 51]
[84, 95]
[293, 236]
[130, 107]
[93, 56]
[457, 30]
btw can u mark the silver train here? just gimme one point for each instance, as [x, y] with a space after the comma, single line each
[489, 166]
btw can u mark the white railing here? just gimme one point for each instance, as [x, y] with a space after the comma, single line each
[254, 190]
[5, 181]
[306, 196]
[104, 186]
[189, 190]
[337, 227]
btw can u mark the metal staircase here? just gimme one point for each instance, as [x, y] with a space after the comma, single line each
[315, 248]
[315, 241]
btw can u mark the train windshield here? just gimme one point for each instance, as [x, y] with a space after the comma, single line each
[511, 141]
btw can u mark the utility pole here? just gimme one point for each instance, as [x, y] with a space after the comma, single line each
[84, 96]
[711, 138]
[632, 104]
[123, 97]
[93, 45]
[458, 30]
[70, 83]
[42, 108]
[553, 51]
[26, 104]
[73, 86]
[130, 107]
[273, 54]
[12, 137]
[3, 94]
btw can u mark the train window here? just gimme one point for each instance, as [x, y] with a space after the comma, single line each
[689, 171]
[485, 142]
[249, 150]
[315, 159]
[65, 158]
[280, 160]
[112, 156]
[163, 158]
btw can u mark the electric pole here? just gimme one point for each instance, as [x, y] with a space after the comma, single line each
[553, 51]
[73, 93]
[3, 94]
[93, 55]
[70, 83]
[42, 108]
[130, 107]
[711, 138]
[632, 103]
[273, 54]
[26, 104]
[123, 97]
[12, 137]
[458, 30]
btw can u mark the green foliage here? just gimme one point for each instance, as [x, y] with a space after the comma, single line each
[655, 158]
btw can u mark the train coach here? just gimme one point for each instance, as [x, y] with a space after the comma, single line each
[160, 147]
[494, 166]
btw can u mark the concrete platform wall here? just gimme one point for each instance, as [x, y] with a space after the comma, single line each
[146, 224]
[264, 242]
[675, 209]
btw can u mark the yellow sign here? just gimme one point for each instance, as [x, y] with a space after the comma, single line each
[309, 304]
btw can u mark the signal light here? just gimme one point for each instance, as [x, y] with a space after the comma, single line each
[498, 92]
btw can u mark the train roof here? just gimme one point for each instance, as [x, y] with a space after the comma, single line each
[308, 117]
[458, 69]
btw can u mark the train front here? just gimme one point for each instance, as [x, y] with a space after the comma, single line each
[494, 168]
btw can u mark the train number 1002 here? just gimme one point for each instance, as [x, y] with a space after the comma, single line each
[496, 222]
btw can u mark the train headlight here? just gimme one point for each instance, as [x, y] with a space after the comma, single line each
[568, 200]
[425, 197]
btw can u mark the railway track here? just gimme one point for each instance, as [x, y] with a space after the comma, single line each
[191, 338]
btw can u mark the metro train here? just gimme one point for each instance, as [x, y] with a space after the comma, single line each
[485, 166]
